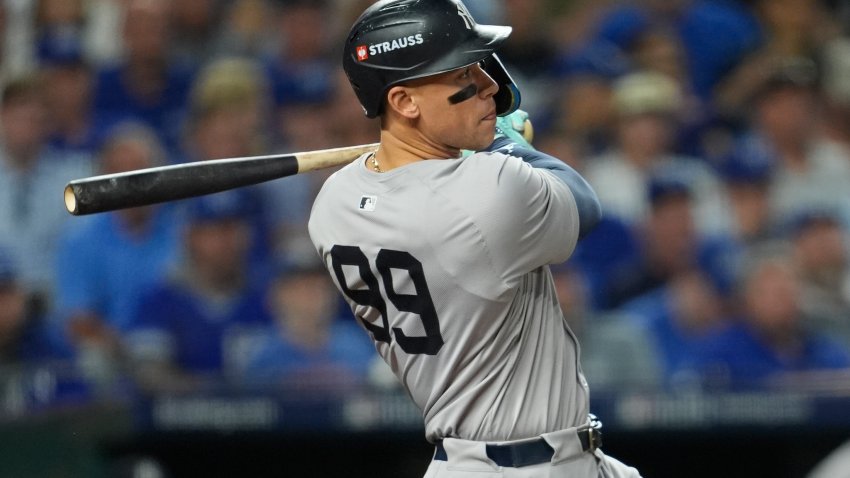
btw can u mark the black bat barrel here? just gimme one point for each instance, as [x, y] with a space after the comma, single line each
[168, 183]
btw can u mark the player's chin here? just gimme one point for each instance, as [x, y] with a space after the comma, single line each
[480, 143]
[478, 138]
[486, 134]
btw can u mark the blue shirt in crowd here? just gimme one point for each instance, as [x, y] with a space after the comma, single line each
[654, 313]
[115, 103]
[198, 333]
[346, 356]
[101, 268]
[737, 357]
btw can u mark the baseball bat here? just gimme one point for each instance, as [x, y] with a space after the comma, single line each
[167, 183]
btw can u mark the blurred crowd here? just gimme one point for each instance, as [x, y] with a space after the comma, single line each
[716, 133]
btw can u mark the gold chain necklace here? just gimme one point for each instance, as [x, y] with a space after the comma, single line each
[375, 165]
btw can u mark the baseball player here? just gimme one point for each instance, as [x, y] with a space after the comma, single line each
[443, 257]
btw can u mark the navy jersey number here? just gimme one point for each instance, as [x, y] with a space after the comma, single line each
[419, 303]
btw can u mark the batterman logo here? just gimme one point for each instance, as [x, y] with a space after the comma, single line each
[364, 52]
[367, 203]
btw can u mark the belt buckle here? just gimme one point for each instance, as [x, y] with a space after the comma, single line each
[594, 433]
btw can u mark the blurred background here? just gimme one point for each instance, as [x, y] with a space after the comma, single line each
[202, 337]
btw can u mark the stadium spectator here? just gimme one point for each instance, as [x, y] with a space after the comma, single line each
[647, 105]
[809, 172]
[104, 262]
[770, 338]
[102, 34]
[786, 30]
[31, 357]
[31, 178]
[695, 42]
[746, 180]
[311, 125]
[615, 354]
[717, 38]
[229, 118]
[314, 344]
[24, 337]
[147, 84]
[74, 128]
[820, 247]
[344, 118]
[18, 49]
[187, 329]
[836, 91]
[228, 111]
[649, 36]
[836, 102]
[246, 28]
[58, 18]
[668, 246]
[696, 131]
[601, 255]
[196, 24]
[676, 318]
[300, 68]
[581, 120]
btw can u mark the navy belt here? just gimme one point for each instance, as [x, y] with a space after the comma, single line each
[532, 452]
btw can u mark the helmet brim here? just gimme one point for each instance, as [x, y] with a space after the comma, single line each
[494, 35]
[488, 39]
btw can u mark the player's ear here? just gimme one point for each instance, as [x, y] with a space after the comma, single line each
[400, 99]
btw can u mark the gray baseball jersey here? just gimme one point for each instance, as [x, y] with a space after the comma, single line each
[445, 263]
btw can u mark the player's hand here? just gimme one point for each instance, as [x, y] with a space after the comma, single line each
[516, 127]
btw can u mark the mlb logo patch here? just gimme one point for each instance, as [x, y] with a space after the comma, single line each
[367, 203]
[362, 52]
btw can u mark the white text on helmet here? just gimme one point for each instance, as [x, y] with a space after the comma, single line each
[403, 42]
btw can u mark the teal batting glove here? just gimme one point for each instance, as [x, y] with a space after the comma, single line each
[515, 127]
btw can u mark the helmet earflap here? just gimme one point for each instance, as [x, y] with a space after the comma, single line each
[508, 97]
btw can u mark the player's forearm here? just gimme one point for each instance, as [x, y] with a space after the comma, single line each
[587, 202]
[589, 209]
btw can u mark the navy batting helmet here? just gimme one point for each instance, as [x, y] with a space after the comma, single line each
[399, 40]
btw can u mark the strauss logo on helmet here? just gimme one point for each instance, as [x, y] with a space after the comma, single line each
[387, 46]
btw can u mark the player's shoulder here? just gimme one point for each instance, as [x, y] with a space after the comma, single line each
[488, 159]
[507, 172]
[493, 167]
[343, 177]
[348, 171]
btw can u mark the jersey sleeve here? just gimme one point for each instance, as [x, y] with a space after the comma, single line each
[528, 216]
